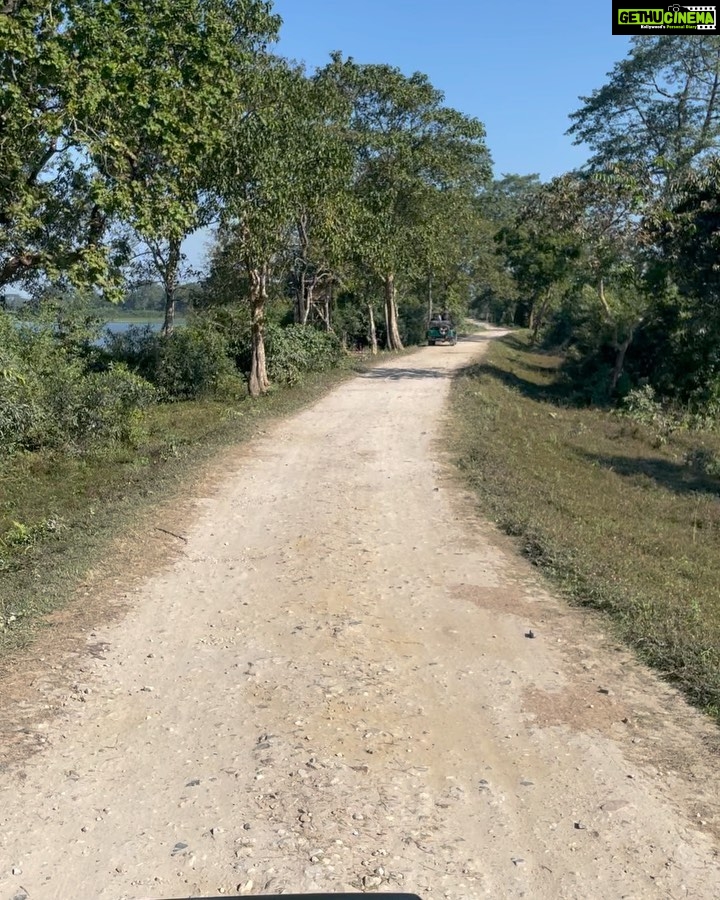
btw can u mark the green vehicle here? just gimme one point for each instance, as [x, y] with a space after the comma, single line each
[441, 331]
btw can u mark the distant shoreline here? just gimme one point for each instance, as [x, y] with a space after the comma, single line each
[140, 316]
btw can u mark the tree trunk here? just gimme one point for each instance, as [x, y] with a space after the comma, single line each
[620, 354]
[603, 299]
[303, 296]
[307, 301]
[300, 311]
[392, 340]
[537, 316]
[258, 382]
[170, 281]
[373, 333]
[328, 305]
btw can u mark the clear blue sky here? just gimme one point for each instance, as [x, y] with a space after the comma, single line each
[518, 66]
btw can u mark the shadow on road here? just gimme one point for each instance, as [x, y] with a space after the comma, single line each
[398, 374]
[478, 338]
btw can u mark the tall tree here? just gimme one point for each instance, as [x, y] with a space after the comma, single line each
[496, 290]
[687, 334]
[541, 254]
[52, 219]
[653, 125]
[408, 146]
[324, 219]
[603, 213]
[159, 125]
[263, 185]
[658, 113]
[108, 111]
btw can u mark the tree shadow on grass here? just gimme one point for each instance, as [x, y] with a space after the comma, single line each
[559, 393]
[516, 343]
[676, 477]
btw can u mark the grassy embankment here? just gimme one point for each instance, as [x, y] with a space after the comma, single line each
[624, 517]
[59, 511]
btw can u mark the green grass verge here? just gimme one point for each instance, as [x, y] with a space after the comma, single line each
[617, 514]
[59, 512]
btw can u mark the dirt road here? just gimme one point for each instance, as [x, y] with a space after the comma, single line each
[332, 688]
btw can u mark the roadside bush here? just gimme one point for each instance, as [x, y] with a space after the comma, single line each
[298, 350]
[192, 362]
[48, 398]
[704, 460]
[642, 405]
[20, 407]
[352, 322]
[138, 348]
[103, 407]
[232, 323]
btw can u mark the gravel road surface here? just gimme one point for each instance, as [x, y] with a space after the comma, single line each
[333, 686]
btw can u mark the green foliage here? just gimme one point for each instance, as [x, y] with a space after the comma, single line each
[418, 167]
[413, 319]
[48, 221]
[297, 350]
[629, 245]
[416, 160]
[49, 397]
[351, 319]
[658, 113]
[704, 460]
[192, 362]
[113, 110]
[642, 405]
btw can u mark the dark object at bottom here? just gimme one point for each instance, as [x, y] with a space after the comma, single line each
[305, 897]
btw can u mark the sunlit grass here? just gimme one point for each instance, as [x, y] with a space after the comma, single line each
[612, 510]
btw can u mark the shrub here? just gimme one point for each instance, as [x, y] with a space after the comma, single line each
[704, 460]
[106, 407]
[20, 410]
[207, 356]
[138, 348]
[49, 398]
[299, 349]
[192, 362]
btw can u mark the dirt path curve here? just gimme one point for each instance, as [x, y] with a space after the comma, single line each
[332, 689]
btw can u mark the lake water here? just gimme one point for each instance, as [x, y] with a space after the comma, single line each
[122, 327]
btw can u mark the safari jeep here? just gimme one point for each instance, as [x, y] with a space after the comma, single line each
[441, 331]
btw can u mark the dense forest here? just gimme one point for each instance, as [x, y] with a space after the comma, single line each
[348, 203]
